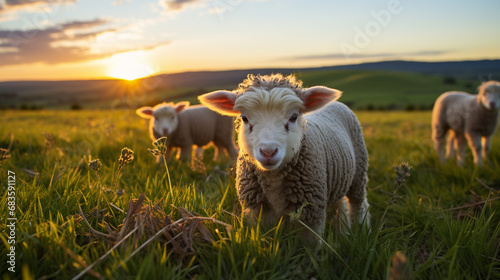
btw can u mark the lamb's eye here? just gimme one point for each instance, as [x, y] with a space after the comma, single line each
[244, 119]
[156, 118]
[293, 118]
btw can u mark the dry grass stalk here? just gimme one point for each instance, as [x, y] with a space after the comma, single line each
[479, 203]
[4, 153]
[152, 222]
[79, 260]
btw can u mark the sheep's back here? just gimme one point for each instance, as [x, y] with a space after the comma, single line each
[198, 123]
[335, 134]
[452, 108]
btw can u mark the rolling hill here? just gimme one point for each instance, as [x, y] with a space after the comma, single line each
[389, 84]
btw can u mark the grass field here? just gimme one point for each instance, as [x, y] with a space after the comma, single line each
[438, 219]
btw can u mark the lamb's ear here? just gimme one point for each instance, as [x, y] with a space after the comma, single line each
[220, 101]
[145, 112]
[317, 97]
[181, 106]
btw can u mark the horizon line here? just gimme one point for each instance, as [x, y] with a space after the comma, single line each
[105, 78]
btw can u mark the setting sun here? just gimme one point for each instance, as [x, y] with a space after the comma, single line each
[129, 66]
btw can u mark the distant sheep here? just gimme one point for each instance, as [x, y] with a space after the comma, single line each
[470, 118]
[288, 159]
[186, 126]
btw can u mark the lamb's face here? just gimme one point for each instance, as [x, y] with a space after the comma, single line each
[489, 95]
[271, 122]
[271, 126]
[165, 120]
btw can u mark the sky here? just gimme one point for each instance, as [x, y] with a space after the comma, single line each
[91, 39]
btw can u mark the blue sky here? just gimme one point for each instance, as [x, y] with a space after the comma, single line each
[71, 39]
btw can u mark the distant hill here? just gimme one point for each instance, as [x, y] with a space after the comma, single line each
[187, 85]
[463, 69]
[477, 69]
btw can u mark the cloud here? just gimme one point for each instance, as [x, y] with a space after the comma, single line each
[212, 6]
[176, 5]
[12, 6]
[83, 24]
[66, 43]
[354, 56]
[120, 2]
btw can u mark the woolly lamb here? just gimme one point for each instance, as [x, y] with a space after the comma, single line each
[288, 159]
[185, 127]
[471, 118]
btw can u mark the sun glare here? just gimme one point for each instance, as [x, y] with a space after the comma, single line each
[129, 66]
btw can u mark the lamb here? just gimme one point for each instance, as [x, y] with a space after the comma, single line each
[297, 147]
[470, 118]
[185, 126]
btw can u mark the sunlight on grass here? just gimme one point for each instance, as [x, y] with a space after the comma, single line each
[444, 220]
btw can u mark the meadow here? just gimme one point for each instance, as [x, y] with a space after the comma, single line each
[444, 220]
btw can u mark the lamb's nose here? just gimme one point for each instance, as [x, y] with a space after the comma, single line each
[268, 152]
[492, 105]
[165, 131]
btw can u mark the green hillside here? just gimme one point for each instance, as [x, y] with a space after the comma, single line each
[362, 89]
[388, 89]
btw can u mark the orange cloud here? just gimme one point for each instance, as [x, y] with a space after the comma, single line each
[176, 5]
[67, 43]
[12, 6]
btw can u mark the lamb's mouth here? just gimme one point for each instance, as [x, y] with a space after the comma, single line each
[161, 134]
[270, 164]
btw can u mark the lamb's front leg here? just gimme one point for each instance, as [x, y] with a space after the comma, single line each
[251, 214]
[451, 145]
[359, 210]
[186, 152]
[198, 153]
[474, 141]
[486, 142]
[341, 211]
[460, 145]
[314, 216]
[439, 138]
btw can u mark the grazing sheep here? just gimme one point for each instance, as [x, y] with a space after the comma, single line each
[471, 118]
[288, 159]
[186, 126]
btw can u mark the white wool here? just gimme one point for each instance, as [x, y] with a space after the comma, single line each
[195, 126]
[289, 160]
[469, 118]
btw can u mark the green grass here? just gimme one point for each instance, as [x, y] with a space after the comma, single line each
[438, 243]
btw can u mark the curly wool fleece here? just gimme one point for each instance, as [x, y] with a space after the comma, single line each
[331, 164]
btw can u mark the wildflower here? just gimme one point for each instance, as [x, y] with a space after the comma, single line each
[402, 173]
[161, 150]
[95, 165]
[160, 147]
[126, 156]
[49, 140]
[4, 155]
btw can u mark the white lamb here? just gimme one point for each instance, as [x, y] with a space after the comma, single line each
[470, 118]
[185, 126]
[288, 159]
